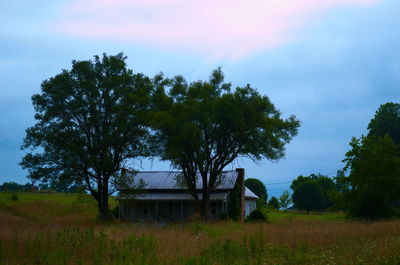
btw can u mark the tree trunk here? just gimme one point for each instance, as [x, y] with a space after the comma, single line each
[102, 205]
[205, 202]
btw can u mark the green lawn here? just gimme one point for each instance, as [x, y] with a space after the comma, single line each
[276, 216]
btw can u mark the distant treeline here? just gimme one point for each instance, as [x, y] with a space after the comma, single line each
[28, 187]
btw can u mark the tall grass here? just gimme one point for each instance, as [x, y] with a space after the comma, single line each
[67, 233]
[207, 244]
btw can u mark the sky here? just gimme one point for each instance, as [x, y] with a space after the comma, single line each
[329, 62]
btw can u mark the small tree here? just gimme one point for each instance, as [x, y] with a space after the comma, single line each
[326, 184]
[309, 196]
[285, 199]
[273, 203]
[90, 122]
[259, 189]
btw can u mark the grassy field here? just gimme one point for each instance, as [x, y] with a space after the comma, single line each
[275, 216]
[63, 229]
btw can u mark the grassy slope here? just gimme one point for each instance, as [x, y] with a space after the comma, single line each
[50, 208]
[47, 208]
[63, 229]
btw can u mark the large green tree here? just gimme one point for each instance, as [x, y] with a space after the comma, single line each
[259, 189]
[373, 183]
[309, 196]
[89, 123]
[204, 126]
[326, 184]
[386, 121]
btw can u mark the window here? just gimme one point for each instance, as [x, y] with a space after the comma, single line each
[171, 208]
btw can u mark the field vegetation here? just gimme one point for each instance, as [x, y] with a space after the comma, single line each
[64, 229]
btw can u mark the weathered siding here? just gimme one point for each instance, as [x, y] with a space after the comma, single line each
[164, 211]
[249, 206]
[162, 198]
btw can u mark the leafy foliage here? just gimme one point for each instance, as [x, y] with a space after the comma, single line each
[90, 122]
[13, 186]
[386, 121]
[259, 189]
[326, 184]
[373, 183]
[309, 196]
[203, 127]
[273, 203]
[256, 215]
[285, 199]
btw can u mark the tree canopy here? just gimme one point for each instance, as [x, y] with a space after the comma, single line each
[386, 121]
[371, 188]
[326, 184]
[89, 123]
[309, 196]
[259, 189]
[374, 176]
[13, 186]
[204, 126]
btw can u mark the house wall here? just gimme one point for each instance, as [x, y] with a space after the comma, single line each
[154, 211]
[250, 205]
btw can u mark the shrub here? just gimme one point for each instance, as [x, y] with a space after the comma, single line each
[14, 197]
[273, 203]
[114, 212]
[224, 216]
[256, 215]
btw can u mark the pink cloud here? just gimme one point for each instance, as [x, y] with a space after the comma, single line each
[222, 28]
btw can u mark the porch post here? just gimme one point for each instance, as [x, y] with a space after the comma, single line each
[156, 210]
[181, 210]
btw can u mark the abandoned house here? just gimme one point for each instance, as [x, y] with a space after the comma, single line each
[157, 196]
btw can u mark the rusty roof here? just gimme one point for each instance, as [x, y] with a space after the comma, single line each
[172, 180]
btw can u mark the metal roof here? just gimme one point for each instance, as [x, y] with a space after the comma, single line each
[169, 180]
[181, 196]
[249, 194]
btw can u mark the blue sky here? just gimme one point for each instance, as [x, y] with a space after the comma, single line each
[331, 66]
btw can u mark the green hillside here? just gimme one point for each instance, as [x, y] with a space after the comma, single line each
[49, 208]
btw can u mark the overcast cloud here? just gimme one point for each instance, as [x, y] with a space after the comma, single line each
[331, 68]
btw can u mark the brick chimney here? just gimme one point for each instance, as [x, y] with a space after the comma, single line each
[240, 180]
